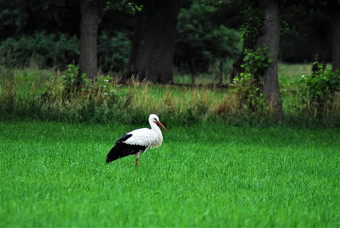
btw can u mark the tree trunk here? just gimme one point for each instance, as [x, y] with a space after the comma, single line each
[153, 47]
[336, 37]
[89, 21]
[270, 36]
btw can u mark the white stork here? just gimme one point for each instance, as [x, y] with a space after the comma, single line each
[138, 141]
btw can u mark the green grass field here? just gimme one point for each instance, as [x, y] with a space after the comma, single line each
[53, 174]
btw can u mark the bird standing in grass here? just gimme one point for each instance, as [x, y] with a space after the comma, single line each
[138, 141]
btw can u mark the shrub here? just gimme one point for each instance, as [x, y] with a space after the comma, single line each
[43, 50]
[256, 61]
[113, 52]
[247, 86]
[40, 49]
[317, 91]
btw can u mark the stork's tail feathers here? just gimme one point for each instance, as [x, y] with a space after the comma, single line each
[121, 150]
[114, 154]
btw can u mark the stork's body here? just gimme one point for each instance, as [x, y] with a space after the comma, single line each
[138, 141]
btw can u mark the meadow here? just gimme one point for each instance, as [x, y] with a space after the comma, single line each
[209, 174]
[220, 165]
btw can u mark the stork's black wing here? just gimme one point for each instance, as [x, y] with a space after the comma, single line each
[122, 149]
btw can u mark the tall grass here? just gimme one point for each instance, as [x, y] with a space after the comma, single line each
[50, 99]
[49, 96]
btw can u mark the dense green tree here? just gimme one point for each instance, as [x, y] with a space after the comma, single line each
[204, 36]
[307, 32]
[59, 31]
[20, 17]
[42, 33]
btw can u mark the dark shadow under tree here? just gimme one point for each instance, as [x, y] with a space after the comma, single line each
[153, 45]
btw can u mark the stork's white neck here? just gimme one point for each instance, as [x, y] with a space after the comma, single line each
[157, 130]
[155, 127]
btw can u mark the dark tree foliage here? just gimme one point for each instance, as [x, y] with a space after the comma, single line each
[308, 30]
[204, 35]
[305, 29]
[26, 17]
[308, 27]
[47, 34]
[336, 36]
[250, 26]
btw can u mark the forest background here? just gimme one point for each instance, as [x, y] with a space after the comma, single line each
[236, 47]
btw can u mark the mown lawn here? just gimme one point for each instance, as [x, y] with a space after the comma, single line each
[53, 174]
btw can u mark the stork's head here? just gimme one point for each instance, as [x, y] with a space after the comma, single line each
[153, 118]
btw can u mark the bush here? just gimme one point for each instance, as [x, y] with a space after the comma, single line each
[40, 49]
[247, 86]
[256, 61]
[113, 52]
[317, 91]
[43, 50]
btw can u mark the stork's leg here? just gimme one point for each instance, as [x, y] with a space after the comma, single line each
[139, 153]
[137, 157]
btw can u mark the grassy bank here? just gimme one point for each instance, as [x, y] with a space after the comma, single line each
[53, 174]
[49, 95]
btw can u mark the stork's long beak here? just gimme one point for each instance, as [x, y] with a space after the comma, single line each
[161, 125]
